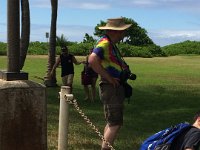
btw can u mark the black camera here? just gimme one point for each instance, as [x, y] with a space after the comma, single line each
[126, 74]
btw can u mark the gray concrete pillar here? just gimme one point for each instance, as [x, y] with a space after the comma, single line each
[23, 120]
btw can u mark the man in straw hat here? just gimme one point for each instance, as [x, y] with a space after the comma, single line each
[107, 62]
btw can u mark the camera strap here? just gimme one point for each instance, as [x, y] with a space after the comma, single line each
[122, 62]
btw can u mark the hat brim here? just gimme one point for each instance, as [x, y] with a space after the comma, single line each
[124, 27]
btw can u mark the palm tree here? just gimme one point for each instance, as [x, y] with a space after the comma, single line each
[61, 41]
[25, 31]
[51, 81]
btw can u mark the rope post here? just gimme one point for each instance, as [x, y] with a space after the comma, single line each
[63, 119]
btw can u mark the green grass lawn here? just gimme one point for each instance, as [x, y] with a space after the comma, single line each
[166, 92]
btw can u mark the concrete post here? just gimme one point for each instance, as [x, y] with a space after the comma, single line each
[63, 118]
[23, 120]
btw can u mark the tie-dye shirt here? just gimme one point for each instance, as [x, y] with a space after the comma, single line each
[110, 57]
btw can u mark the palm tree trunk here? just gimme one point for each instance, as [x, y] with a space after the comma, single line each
[52, 42]
[25, 31]
[52, 45]
[13, 35]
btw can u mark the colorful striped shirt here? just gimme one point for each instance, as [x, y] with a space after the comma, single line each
[110, 57]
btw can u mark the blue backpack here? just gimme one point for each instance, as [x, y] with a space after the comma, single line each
[163, 139]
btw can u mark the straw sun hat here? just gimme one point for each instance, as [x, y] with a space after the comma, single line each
[115, 24]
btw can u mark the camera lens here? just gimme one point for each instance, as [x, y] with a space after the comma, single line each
[132, 76]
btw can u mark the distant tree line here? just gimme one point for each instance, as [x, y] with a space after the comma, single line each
[82, 49]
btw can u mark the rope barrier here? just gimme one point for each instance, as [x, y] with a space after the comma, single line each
[74, 102]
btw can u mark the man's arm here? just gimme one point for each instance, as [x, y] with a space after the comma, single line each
[75, 61]
[55, 65]
[95, 63]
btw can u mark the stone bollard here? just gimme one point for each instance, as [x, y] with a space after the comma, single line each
[23, 120]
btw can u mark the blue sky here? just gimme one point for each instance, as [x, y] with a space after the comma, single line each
[166, 21]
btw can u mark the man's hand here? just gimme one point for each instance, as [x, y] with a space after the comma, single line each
[114, 82]
[95, 63]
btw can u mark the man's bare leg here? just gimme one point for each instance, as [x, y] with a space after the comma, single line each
[110, 134]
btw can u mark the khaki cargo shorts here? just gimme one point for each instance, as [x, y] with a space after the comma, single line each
[112, 99]
[68, 79]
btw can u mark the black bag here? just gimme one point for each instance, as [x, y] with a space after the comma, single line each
[128, 90]
[86, 79]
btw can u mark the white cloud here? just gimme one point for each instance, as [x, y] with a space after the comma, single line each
[87, 4]
[38, 32]
[40, 3]
[77, 32]
[93, 6]
[184, 5]
[143, 3]
[178, 33]
[166, 37]
[74, 32]
[71, 32]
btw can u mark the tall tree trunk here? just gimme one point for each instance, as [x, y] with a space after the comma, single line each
[52, 44]
[13, 35]
[25, 31]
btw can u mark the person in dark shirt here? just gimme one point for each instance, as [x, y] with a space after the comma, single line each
[66, 61]
[189, 139]
[90, 93]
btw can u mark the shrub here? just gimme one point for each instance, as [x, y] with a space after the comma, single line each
[3, 48]
[187, 47]
[81, 49]
[38, 48]
[140, 51]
